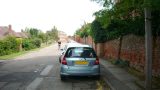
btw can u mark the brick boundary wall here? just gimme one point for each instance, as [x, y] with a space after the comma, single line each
[132, 50]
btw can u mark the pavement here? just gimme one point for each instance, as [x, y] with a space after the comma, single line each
[117, 78]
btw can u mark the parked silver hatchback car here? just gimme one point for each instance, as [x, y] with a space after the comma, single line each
[79, 60]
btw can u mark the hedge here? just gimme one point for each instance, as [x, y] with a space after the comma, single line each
[11, 45]
[8, 45]
[28, 44]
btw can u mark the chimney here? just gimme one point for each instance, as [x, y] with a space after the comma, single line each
[10, 27]
[22, 30]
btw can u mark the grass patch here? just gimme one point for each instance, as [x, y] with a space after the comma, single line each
[104, 86]
[156, 83]
[141, 76]
[120, 63]
[14, 55]
[136, 73]
[139, 85]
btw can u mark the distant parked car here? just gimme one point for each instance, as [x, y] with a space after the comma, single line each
[68, 45]
[79, 60]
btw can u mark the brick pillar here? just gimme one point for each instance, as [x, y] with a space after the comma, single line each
[20, 47]
[100, 49]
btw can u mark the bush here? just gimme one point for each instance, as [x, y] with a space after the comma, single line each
[122, 63]
[11, 45]
[37, 42]
[97, 32]
[8, 46]
[28, 44]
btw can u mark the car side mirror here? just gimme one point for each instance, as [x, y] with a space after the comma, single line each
[62, 52]
[61, 49]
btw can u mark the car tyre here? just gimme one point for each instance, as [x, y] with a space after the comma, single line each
[63, 78]
[97, 77]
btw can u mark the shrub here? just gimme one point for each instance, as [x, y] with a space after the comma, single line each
[37, 42]
[97, 32]
[8, 45]
[27, 44]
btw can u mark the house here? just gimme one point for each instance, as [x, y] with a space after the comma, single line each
[62, 36]
[8, 31]
[3, 31]
[21, 35]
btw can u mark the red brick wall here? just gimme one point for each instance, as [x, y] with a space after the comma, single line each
[89, 40]
[111, 49]
[78, 39]
[133, 50]
[100, 49]
[156, 56]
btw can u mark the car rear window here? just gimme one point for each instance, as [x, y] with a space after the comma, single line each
[84, 52]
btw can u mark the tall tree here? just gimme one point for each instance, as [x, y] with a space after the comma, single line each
[33, 32]
[55, 33]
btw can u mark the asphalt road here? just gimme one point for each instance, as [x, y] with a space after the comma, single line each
[39, 70]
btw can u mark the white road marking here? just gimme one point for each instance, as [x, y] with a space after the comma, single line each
[34, 84]
[46, 70]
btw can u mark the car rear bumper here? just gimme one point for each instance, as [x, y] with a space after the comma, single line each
[78, 71]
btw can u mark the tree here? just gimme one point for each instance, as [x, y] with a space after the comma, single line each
[42, 36]
[33, 32]
[55, 33]
[129, 9]
[84, 31]
[97, 32]
[52, 34]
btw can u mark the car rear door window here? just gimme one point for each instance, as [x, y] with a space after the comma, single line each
[84, 52]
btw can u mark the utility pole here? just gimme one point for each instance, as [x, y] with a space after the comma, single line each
[148, 47]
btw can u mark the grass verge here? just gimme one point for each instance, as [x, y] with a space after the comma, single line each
[141, 76]
[14, 55]
[102, 85]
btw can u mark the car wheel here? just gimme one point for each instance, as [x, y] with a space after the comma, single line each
[97, 77]
[63, 78]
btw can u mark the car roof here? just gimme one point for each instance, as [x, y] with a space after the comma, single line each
[72, 41]
[76, 45]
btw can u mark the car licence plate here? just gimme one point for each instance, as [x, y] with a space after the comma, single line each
[81, 62]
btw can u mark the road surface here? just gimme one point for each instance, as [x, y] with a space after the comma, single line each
[39, 70]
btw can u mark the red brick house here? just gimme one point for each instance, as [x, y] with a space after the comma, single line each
[8, 31]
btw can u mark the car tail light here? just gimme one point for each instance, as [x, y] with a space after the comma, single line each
[64, 62]
[97, 61]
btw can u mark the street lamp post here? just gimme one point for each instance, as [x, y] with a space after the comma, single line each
[148, 47]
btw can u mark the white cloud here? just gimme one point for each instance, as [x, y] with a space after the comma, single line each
[66, 15]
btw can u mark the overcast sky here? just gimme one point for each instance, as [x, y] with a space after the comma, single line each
[66, 15]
